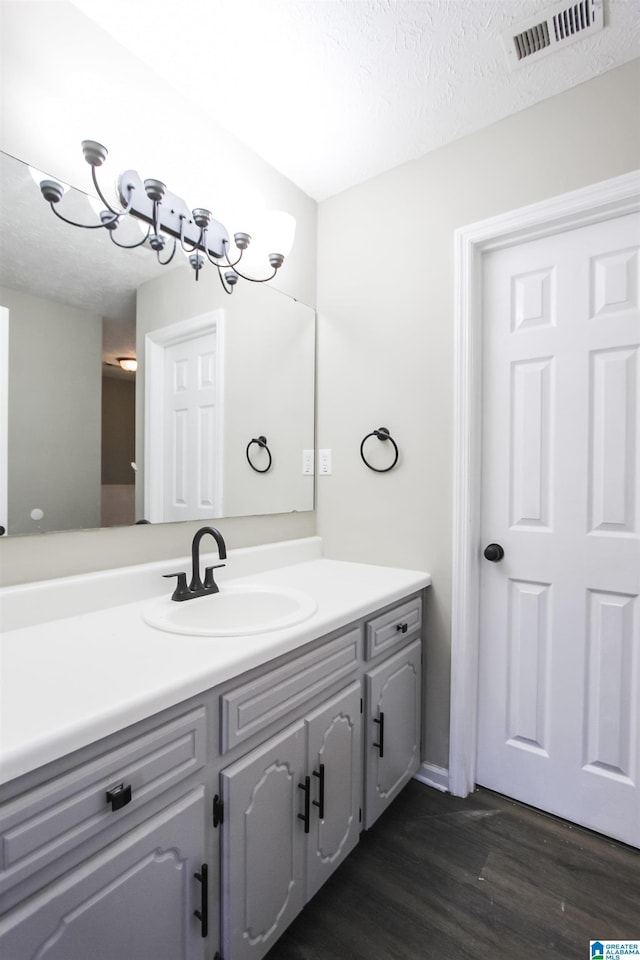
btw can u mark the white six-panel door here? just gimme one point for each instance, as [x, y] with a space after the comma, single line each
[559, 681]
[190, 422]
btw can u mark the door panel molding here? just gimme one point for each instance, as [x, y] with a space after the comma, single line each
[592, 204]
[156, 341]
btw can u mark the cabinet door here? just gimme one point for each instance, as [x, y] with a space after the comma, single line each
[263, 844]
[335, 764]
[393, 719]
[134, 899]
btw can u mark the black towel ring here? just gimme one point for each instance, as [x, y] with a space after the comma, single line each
[262, 442]
[381, 433]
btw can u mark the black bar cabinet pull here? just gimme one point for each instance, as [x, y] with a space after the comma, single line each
[380, 743]
[319, 803]
[203, 913]
[306, 786]
[402, 627]
[119, 796]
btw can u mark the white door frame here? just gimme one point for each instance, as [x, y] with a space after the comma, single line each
[154, 392]
[600, 201]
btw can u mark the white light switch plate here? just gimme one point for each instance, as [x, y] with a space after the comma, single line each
[307, 463]
[324, 463]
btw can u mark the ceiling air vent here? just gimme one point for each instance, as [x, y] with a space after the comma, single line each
[561, 24]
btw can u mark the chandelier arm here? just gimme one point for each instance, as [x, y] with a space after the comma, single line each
[254, 279]
[130, 246]
[203, 246]
[86, 226]
[182, 237]
[125, 208]
[164, 263]
[226, 255]
[226, 288]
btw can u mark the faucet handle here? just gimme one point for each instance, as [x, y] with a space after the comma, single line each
[181, 591]
[209, 582]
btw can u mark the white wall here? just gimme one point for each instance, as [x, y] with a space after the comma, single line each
[386, 328]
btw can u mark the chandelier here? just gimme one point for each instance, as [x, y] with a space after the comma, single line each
[167, 218]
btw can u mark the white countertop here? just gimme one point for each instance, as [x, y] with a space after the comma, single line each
[67, 681]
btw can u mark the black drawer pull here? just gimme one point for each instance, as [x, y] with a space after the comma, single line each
[119, 796]
[203, 913]
[402, 627]
[306, 786]
[380, 743]
[319, 803]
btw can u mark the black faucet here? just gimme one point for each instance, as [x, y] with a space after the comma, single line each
[197, 588]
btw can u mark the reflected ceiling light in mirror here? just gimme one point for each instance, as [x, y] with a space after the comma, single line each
[130, 364]
[168, 218]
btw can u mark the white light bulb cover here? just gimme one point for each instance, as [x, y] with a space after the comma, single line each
[128, 363]
[243, 211]
[278, 232]
[39, 176]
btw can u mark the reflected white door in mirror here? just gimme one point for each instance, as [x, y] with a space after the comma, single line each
[183, 470]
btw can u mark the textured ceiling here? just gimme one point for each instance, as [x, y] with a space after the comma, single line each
[94, 275]
[332, 93]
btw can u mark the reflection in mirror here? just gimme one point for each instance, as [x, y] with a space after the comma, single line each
[88, 444]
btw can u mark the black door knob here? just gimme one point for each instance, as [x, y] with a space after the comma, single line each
[493, 552]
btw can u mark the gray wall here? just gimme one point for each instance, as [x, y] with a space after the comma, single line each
[386, 328]
[118, 429]
[269, 365]
[54, 414]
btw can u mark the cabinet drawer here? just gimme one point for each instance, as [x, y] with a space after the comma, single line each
[394, 627]
[49, 821]
[254, 705]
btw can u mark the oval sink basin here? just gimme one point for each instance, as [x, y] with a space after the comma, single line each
[234, 611]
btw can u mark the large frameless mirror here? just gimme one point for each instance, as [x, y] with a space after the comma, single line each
[214, 423]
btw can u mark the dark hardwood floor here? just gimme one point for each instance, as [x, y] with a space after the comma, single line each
[440, 877]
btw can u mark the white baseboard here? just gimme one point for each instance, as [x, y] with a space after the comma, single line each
[433, 776]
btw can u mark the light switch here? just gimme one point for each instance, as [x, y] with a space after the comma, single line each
[324, 463]
[307, 463]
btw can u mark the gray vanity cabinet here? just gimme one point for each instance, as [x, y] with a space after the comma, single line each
[335, 759]
[133, 899]
[85, 875]
[292, 812]
[392, 753]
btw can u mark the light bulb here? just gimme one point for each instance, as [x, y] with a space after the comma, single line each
[39, 176]
[243, 213]
[278, 232]
[130, 364]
